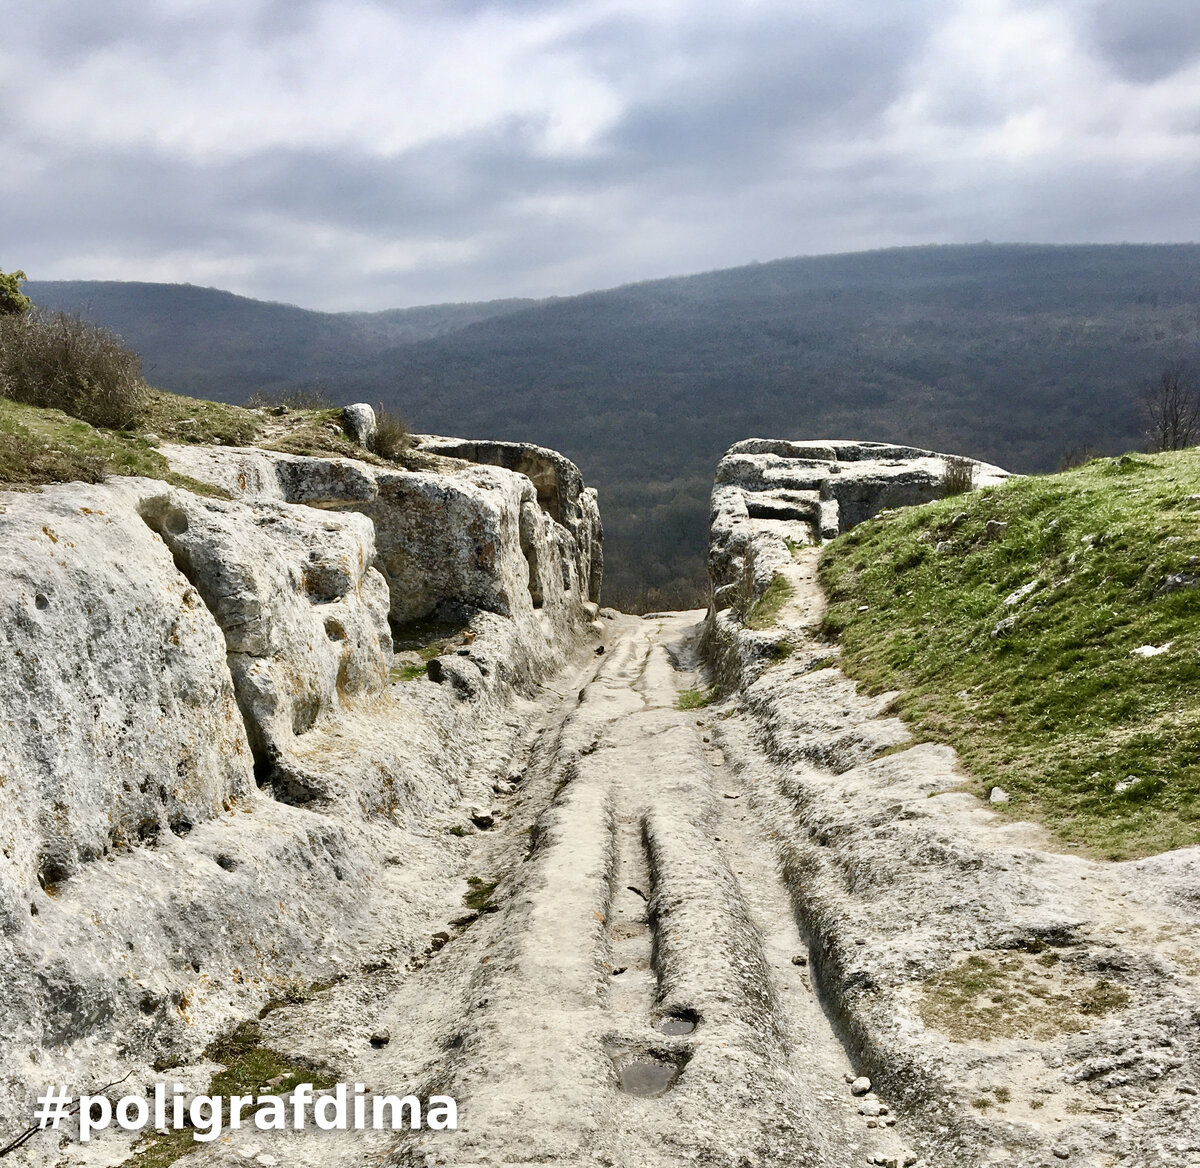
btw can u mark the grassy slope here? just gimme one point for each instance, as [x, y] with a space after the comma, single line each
[1054, 709]
[47, 446]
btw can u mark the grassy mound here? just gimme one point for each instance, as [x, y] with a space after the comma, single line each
[1018, 642]
[46, 446]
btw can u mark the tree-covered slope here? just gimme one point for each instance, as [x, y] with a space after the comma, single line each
[1013, 354]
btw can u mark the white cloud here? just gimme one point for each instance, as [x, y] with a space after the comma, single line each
[368, 153]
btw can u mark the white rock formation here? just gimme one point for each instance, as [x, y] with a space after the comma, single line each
[360, 423]
[204, 763]
[806, 492]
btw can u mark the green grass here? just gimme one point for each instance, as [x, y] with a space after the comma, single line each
[46, 446]
[176, 418]
[766, 609]
[480, 895]
[1053, 708]
[695, 699]
[408, 672]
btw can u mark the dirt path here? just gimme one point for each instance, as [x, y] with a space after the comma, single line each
[637, 992]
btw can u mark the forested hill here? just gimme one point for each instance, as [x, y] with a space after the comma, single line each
[1013, 354]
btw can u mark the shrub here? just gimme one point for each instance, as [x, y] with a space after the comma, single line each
[61, 362]
[13, 302]
[1078, 455]
[391, 434]
[316, 398]
[959, 476]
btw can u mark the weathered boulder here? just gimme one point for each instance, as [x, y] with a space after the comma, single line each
[303, 612]
[560, 493]
[359, 421]
[466, 537]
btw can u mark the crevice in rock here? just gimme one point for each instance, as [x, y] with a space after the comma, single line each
[168, 521]
[530, 551]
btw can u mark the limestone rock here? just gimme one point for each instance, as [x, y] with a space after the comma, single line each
[773, 497]
[359, 423]
[119, 716]
[303, 612]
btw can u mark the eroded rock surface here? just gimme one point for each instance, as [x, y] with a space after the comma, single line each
[1019, 1003]
[210, 761]
[806, 492]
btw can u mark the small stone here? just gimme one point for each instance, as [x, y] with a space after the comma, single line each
[733, 794]
[1020, 594]
[1002, 627]
[1176, 583]
[265, 1160]
[994, 528]
[860, 1086]
[503, 788]
[800, 959]
[480, 818]
[998, 795]
[1150, 650]
[1063, 1153]
[872, 1108]
[381, 1037]
[958, 520]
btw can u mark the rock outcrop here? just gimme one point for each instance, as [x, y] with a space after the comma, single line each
[771, 495]
[1014, 1000]
[207, 754]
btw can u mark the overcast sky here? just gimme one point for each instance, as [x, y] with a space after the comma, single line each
[383, 153]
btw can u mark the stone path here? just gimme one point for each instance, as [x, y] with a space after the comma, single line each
[639, 993]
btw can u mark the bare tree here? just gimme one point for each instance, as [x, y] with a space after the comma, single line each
[1173, 410]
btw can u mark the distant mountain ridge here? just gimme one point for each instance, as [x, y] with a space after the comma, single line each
[263, 344]
[1009, 353]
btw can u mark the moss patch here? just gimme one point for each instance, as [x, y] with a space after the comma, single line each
[764, 612]
[46, 446]
[695, 699]
[1007, 994]
[250, 1068]
[1015, 643]
[480, 895]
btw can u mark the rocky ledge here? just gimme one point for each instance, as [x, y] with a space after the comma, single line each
[800, 493]
[1018, 1002]
[224, 719]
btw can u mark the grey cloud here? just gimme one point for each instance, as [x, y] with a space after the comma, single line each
[1144, 40]
[67, 31]
[773, 86]
[738, 158]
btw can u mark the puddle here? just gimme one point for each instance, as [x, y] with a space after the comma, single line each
[647, 1076]
[684, 1022]
[648, 1073]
